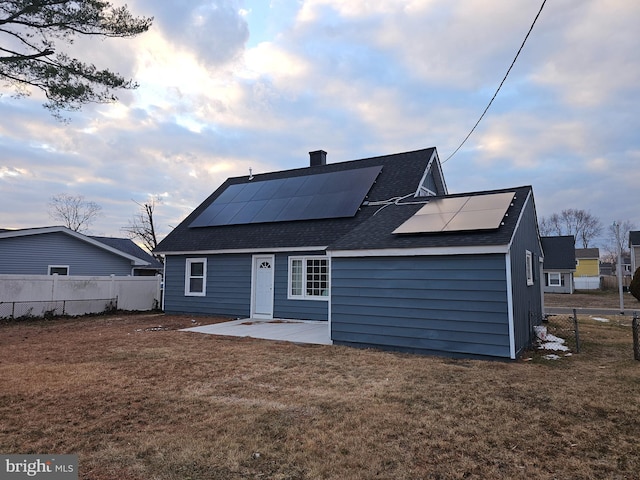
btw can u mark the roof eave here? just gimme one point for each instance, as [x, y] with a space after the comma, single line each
[420, 251]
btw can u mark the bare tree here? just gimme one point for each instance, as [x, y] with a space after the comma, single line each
[550, 225]
[579, 223]
[615, 242]
[74, 211]
[142, 226]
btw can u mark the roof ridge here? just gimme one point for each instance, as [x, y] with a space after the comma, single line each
[320, 167]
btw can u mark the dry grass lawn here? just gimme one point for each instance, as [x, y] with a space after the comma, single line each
[135, 401]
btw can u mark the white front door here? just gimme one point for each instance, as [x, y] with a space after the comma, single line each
[263, 267]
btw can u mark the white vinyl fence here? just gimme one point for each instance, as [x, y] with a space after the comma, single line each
[587, 283]
[37, 295]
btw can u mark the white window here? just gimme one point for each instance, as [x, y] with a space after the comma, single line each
[529, 268]
[308, 278]
[58, 269]
[554, 279]
[195, 281]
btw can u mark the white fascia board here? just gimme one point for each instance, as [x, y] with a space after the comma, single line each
[416, 252]
[512, 328]
[24, 232]
[520, 215]
[59, 229]
[535, 215]
[245, 250]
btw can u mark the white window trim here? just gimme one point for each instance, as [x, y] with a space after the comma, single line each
[57, 266]
[550, 283]
[529, 268]
[304, 296]
[187, 277]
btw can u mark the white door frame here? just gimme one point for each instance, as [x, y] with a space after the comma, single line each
[255, 264]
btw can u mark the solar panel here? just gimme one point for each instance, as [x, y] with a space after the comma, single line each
[306, 197]
[473, 212]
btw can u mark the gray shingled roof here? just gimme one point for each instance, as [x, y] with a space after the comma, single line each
[559, 252]
[634, 238]
[401, 175]
[587, 253]
[377, 231]
[126, 245]
[371, 228]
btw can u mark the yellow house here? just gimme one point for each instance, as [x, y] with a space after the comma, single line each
[587, 276]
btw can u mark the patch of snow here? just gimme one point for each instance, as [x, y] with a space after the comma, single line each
[598, 319]
[553, 343]
[541, 332]
[554, 346]
[551, 356]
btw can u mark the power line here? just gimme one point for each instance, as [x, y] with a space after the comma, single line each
[501, 83]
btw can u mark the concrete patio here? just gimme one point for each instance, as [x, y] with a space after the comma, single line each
[297, 331]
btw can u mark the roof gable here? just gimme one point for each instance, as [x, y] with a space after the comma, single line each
[634, 238]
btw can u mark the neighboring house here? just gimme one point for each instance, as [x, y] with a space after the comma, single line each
[607, 269]
[559, 263]
[634, 248]
[126, 245]
[587, 275]
[626, 266]
[375, 247]
[60, 250]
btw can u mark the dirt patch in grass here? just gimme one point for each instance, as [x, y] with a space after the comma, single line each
[135, 401]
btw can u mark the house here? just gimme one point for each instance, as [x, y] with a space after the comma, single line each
[634, 249]
[607, 269]
[587, 275]
[60, 250]
[559, 263]
[376, 247]
[626, 266]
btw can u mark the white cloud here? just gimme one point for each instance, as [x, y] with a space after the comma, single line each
[356, 79]
[596, 57]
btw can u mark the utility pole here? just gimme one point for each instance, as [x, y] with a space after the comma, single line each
[616, 225]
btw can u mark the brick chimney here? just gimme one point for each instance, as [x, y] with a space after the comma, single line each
[317, 158]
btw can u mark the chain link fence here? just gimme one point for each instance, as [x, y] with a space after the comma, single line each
[563, 327]
[56, 308]
[566, 328]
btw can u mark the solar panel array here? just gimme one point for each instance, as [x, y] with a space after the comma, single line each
[474, 212]
[307, 197]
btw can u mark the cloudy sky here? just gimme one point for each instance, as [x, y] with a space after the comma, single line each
[230, 85]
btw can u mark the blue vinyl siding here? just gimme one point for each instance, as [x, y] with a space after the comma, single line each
[228, 286]
[228, 290]
[32, 254]
[527, 299]
[452, 305]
